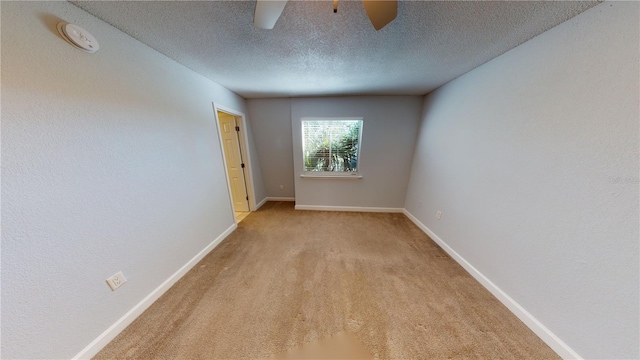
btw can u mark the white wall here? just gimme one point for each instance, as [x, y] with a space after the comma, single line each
[271, 122]
[388, 138]
[110, 161]
[533, 160]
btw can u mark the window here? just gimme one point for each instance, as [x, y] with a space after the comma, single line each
[331, 147]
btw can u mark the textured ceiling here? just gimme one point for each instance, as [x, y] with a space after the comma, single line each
[313, 52]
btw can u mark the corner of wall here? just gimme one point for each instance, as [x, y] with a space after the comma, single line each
[554, 342]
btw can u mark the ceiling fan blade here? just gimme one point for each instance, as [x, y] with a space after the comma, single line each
[380, 12]
[267, 13]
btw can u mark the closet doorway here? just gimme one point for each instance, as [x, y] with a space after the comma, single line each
[233, 141]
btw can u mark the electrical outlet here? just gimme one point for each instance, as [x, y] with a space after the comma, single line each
[281, 187]
[438, 214]
[116, 281]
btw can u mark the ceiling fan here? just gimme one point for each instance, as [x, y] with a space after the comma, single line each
[380, 12]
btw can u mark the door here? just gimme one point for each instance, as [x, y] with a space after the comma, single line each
[233, 155]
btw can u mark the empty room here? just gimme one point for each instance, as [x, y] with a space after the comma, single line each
[320, 179]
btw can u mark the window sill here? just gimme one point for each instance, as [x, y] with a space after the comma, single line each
[332, 177]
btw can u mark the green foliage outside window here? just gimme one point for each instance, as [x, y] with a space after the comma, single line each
[331, 145]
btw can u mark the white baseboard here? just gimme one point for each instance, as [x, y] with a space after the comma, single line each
[554, 342]
[101, 341]
[536, 326]
[276, 198]
[259, 205]
[348, 208]
[272, 198]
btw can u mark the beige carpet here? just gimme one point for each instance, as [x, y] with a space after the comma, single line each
[286, 278]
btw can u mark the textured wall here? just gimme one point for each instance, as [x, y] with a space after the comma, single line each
[110, 161]
[533, 160]
[388, 138]
[271, 122]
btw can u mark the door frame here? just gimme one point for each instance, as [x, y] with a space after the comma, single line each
[244, 149]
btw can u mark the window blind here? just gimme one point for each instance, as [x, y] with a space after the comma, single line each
[331, 145]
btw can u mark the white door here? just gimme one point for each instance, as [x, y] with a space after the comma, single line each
[233, 156]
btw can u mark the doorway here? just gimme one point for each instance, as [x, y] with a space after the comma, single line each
[230, 128]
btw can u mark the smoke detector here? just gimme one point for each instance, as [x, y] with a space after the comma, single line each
[78, 37]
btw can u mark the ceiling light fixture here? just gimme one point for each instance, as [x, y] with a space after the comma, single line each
[380, 12]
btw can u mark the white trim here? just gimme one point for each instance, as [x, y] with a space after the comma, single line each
[331, 177]
[275, 198]
[101, 341]
[259, 205]
[272, 198]
[244, 148]
[331, 118]
[554, 342]
[224, 163]
[308, 175]
[348, 208]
